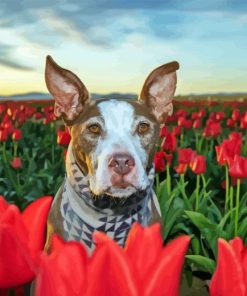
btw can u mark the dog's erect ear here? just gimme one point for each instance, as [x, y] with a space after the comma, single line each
[69, 92]
[158, 90]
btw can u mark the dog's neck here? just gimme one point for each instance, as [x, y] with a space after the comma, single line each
[84, 213]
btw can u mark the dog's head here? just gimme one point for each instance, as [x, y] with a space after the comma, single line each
[113, 140]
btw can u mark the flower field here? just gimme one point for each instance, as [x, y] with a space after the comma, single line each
[201, 184]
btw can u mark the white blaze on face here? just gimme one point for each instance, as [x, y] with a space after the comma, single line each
[119, 137]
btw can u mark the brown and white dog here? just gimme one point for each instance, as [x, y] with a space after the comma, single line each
[109, 165]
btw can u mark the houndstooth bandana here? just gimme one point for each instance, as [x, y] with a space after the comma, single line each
[83, 213]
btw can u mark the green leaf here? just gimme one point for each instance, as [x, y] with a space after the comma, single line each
[207, 228]
[202, 263]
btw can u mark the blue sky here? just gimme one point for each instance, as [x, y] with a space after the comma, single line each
[113, 45]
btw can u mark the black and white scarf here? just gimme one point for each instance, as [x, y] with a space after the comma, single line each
[83, 213]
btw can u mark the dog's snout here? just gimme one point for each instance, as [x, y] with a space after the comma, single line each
[121, 164]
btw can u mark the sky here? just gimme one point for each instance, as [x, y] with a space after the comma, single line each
[113, 45]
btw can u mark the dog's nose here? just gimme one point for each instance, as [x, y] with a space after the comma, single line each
[121, 164]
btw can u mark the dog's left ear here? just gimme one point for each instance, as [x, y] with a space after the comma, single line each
[69, 92]
[158, 90]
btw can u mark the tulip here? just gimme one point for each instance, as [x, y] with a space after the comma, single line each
[213, 129]
[176, 130]
[25, 233]
[63, 137]
[220, 115]
[230, 277]
[3, 135]
[197, 123]
[181, 168]
[185, 155]
[38, 115]
[227, 150]
[64, 269]
[164, 131]
[169, 142]
[157, 268]
[198, 164]
[16, 135]
[159, 162]
[231, 123]
[236, 114]
[16, 163]
[235, 136]
[142, 267]
[238, 167]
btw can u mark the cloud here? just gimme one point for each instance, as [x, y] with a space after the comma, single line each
[7, 61]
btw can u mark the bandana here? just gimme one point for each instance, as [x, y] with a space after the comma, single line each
[83, 212]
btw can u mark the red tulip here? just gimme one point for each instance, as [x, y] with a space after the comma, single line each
[38, 115]
[183, 122]
[3, 135]
[164, 131]
[213, 129]
[16, 135]
[236, 114]
[25, 233]
[235, 136]
[185, 155]
[169, 142]
[226, 151]
[230, 277]
[63, 271]
[63, 137]
[220, 115]
[144, 267]
[16, 163]
[159, 162]
[168, 157]
[176, 130]
[198, 164]
[156, 268]
[197, 123]
[238, 167]
[231, 123]
[181, 168]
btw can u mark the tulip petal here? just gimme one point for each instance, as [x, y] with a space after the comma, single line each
[109, 270]
[165, 277]
[3, 205]
[228, 278]
[64, 271]
[143, 245]
[35, 217]
[238, 247]
[15, 268]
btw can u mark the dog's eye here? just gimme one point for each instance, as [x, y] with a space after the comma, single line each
[143, 127]
[94, 128]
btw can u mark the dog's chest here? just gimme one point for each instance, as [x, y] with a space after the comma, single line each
[81, 218]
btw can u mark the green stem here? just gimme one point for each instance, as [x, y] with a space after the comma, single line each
[227, 189]
[197, 192]
[53, 142]
[182, 136]
[237, 208]
[5, 160]
[15, 148]
[168, 179]
[231, 202]
[182, 178]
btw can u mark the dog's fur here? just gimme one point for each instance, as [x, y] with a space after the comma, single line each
[104, 129]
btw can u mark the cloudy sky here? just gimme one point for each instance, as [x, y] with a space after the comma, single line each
[113, 45]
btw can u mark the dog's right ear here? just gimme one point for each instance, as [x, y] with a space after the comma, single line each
[69, 92]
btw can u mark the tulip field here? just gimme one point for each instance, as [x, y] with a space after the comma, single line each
[201, 184]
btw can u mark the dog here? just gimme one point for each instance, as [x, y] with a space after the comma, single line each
[109, 163]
